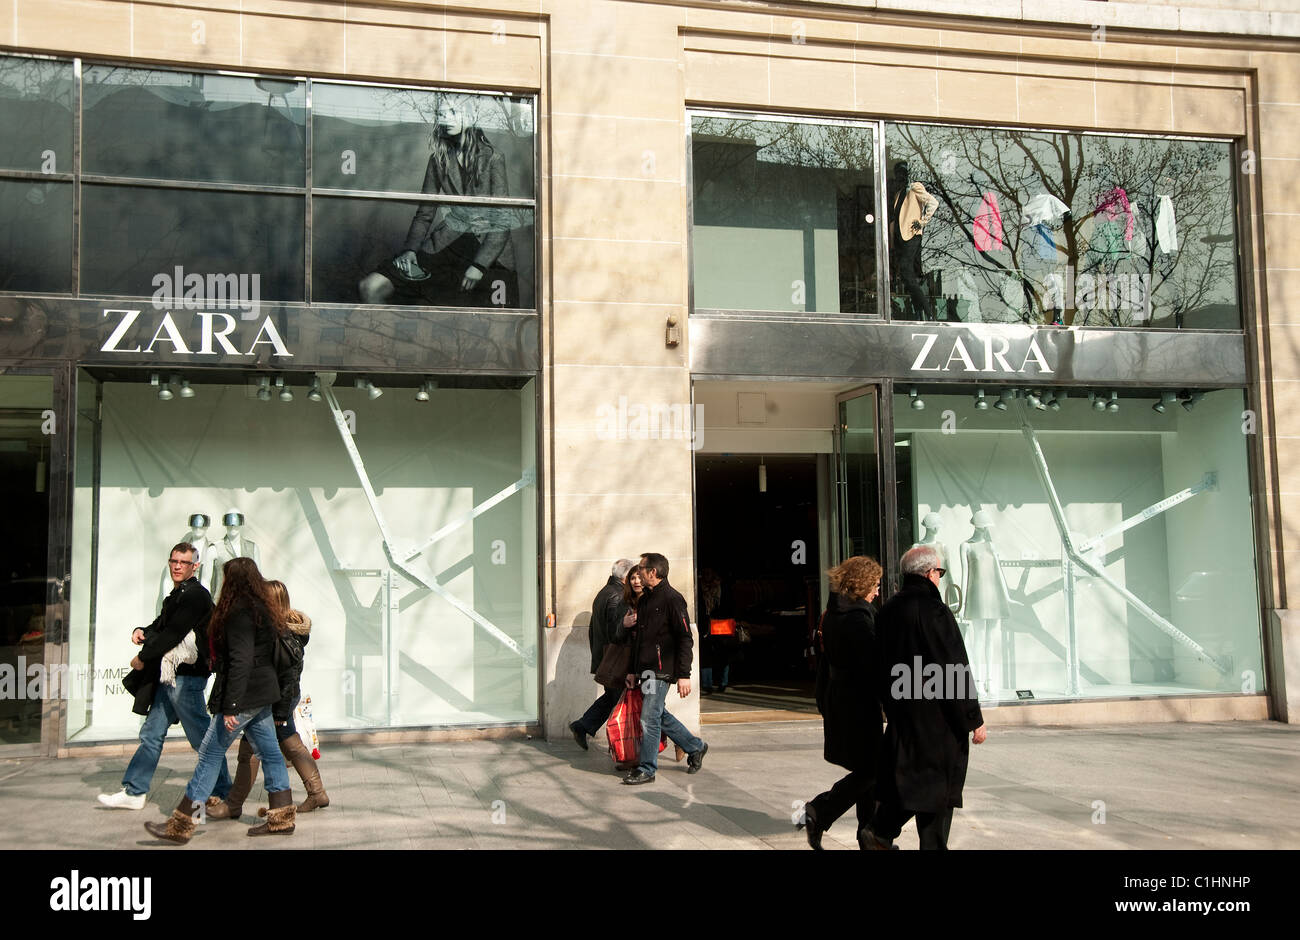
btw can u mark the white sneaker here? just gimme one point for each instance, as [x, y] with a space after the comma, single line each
[122, 800]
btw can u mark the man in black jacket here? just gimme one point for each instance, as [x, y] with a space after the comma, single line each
[930, 700]
[663, 652]
[185, 609]
[603, 611]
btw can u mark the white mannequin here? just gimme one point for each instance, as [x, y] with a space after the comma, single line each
[930, 524]
[198, 537]
[234, 545]
[985, 599]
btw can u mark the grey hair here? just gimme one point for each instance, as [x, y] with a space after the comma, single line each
[622, 567]
[921, 559]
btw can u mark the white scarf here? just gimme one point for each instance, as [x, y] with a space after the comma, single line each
[186, 651]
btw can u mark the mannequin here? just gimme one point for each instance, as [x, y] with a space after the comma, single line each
[986, 601]
[198, 537]
[234, 545]
[930, 536]
[911, 208]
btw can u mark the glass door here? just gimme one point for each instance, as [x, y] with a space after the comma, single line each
[857, 474]
[27, 439]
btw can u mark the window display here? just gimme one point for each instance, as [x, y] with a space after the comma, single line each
[400, 511]
[1099, 552]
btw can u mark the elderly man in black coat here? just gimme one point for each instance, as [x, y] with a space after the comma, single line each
[930, 700]
[603, 630]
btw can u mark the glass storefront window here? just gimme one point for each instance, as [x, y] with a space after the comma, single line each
[784, 216]
[157, 124]
[1153, 593]
[424, 604]
[1046, 227]
[35, 236]
[36, 108]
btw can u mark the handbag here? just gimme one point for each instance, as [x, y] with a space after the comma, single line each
[615, 664]
[624, 727]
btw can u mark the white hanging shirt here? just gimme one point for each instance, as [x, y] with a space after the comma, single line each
[1044, 208]
[1166, 226]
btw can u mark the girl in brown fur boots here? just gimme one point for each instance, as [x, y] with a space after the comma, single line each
[291, 746]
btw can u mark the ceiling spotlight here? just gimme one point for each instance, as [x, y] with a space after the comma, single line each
[286, 393]
[1098, 403]
[1166, 399]
[313, 394]
[918, 403]
[1113, 405]
[186, 391]
[423, 393]
[1032, 397]
[981, 404]
[164, 393]
[263, 389]
[371, 390]
[1054, 398]
[1192, 400]
[1005, 398]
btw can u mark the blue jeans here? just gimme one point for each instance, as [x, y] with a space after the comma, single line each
[259, 728]
[184, 703]
[653, 716]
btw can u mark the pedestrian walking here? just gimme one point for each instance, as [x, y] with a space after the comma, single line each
[605, 622]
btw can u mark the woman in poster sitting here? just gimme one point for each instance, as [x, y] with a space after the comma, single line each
[455, 255]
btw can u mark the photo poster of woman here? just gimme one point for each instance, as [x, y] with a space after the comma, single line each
[370, 144]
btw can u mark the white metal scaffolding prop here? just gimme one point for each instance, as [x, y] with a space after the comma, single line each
[402, 564]
[1075, 556]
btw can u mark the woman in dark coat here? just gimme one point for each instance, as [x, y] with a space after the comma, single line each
[242, 635]
[846, 697]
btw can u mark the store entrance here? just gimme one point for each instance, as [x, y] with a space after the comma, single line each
[25, 401]
[786, 485]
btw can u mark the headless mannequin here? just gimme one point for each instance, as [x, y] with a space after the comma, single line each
[198, 537]
[986, 601]
[234, 545]
[905, 246]
[930, 536]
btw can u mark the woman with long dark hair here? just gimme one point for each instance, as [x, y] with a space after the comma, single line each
[455, 254]
[242, 635]
[291, 746]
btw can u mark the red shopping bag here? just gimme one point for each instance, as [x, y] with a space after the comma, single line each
[624, 727]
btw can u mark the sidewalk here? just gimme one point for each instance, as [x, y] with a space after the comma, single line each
[1166, 786]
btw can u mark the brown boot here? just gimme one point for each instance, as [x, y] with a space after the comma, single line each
[279, 818]
[180, 827]
[245, 773]
[296, 753]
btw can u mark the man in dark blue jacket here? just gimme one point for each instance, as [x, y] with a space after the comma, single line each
[185, 609]
[602, 630]
[663, 652]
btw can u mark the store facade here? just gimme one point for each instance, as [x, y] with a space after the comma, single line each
[229, 315]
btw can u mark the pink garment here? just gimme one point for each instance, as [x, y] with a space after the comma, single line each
[1115, 203]
[988, 224]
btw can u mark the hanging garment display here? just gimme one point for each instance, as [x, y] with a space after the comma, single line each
[1166, 226]
[1044, 241]
[988, 224]
[1043, 208]
[1114, 208]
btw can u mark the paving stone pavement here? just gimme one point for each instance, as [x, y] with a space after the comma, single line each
[1175, 786]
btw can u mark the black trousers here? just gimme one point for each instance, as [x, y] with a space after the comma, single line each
[599, 712]
[857, 788]
[908, 256]
[932, 828]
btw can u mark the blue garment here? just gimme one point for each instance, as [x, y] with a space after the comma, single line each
[1046, 243]
[259, 727]
[184, 703]
[653, 715]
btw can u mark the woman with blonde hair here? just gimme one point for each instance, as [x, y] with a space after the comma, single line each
[295, 752]
[846, 697]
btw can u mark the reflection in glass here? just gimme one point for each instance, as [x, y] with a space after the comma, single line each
[378, 139]
[1088, 230]
[133, 234]
[36, 237]
[36, 115]
[24, 475]
[160, 124]
[352, 238]
[784, 216]
[1098, 553]
[447, 636]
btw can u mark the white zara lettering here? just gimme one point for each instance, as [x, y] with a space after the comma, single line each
[215, 339]
[996, 350]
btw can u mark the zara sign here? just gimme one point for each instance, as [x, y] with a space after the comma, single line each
[217, 335]
[990, 354]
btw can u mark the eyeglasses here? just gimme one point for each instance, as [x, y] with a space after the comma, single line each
[942, 571]
[180, 561]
